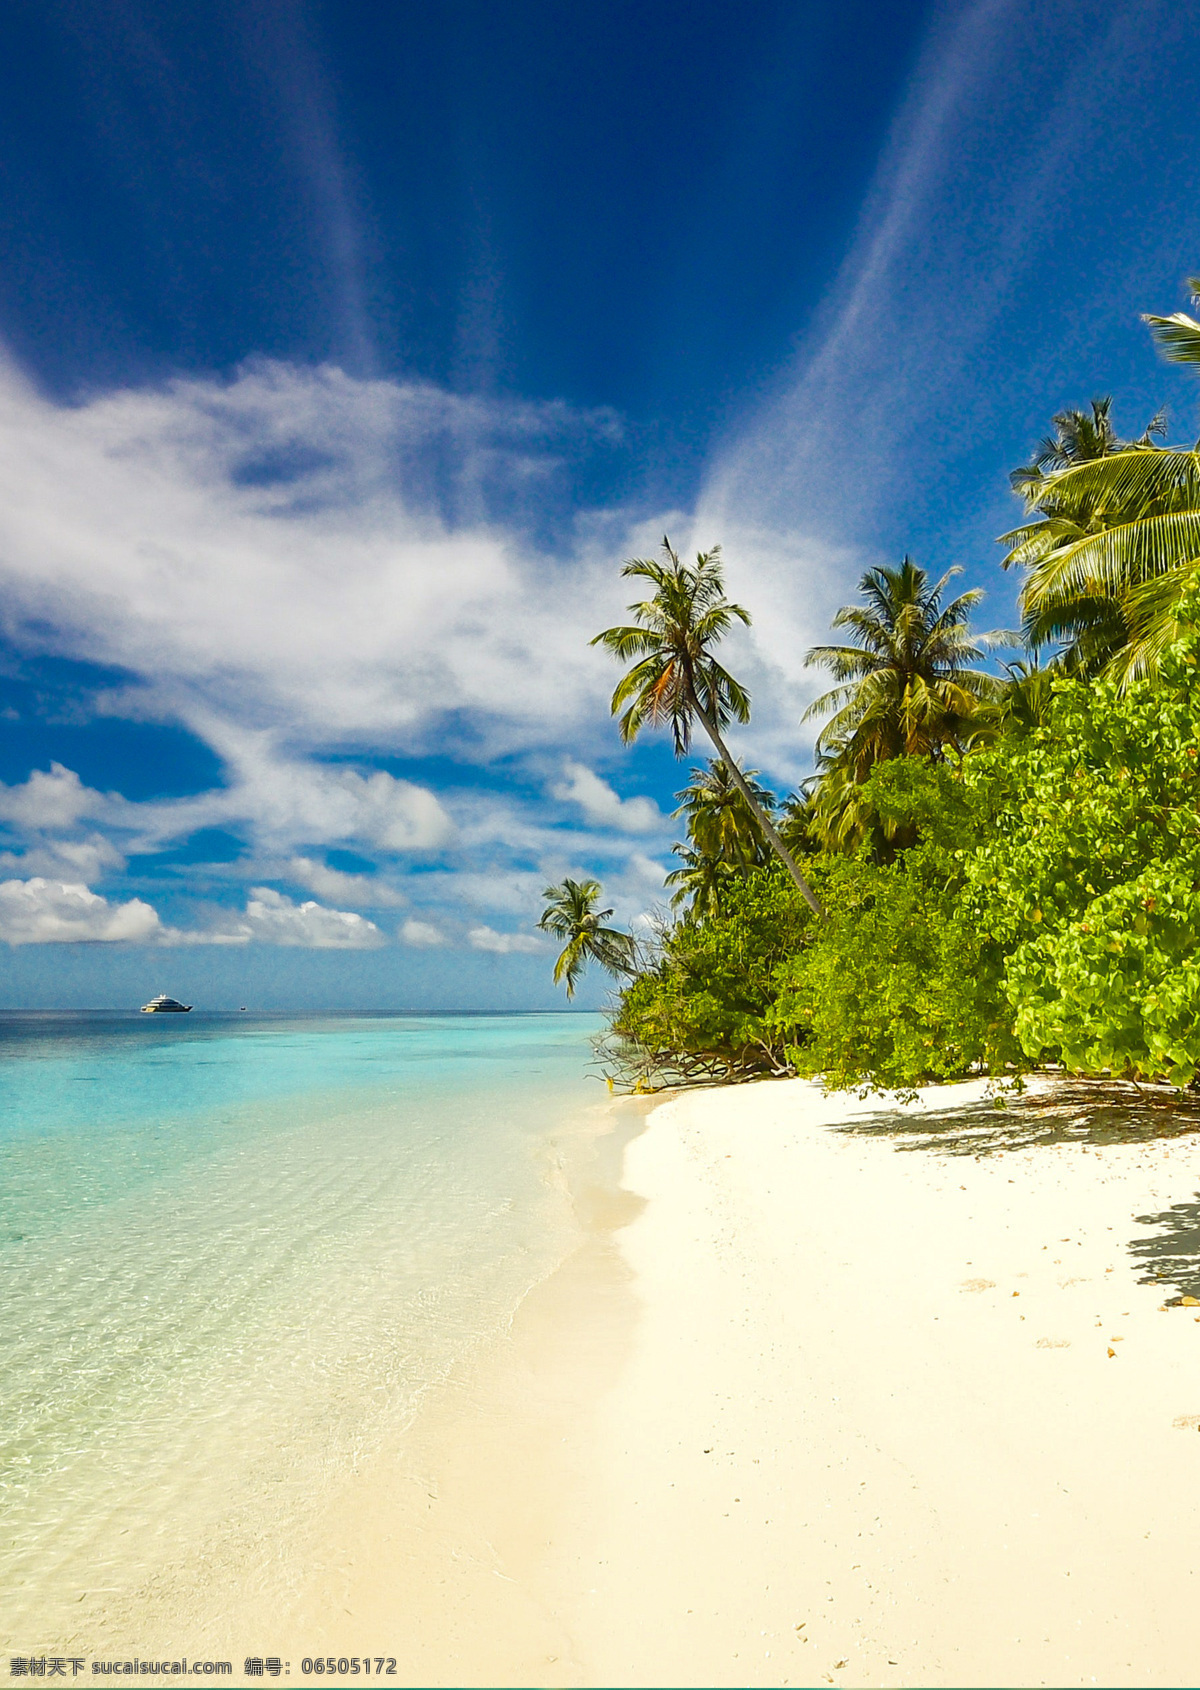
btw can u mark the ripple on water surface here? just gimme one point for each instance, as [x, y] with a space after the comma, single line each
[232, 1256]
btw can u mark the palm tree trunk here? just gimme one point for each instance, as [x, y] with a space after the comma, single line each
[764, 821]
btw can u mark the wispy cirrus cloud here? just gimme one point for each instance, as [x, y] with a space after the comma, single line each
[961, 316]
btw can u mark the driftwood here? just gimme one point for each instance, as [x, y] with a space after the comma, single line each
[628, 1066]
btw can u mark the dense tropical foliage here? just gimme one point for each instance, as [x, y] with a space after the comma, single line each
[990, 869]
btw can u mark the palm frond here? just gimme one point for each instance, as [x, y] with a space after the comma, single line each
[1177, 337]
[1137, 479]
[1116, 558]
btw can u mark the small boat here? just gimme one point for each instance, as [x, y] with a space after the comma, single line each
[163, 1005]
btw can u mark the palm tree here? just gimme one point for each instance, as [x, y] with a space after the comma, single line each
[719, 821]
[1116, 539]
[840, 814]
[907, 685]
[724, 838]
[1080, 437]
[700, 882]
[797, 822]
[571, 914]
[1113, 540]
[676, 681]
[1028, 695]
[1178, 335]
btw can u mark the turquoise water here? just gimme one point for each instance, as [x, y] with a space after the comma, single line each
[235, 1253]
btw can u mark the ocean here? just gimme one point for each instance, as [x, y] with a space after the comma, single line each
[237, 1252]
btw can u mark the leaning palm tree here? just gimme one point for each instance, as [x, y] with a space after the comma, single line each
[677, 682]
[907, 685]
[571, 914]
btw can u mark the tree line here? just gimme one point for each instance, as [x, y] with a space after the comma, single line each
[989, 868]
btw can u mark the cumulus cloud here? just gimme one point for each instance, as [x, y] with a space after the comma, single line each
[273, 919]
[645, 870]
[279, 799]
[50, 800]
[285, 801]
[501, 944]
[288, 799]
[511, 890]
[305, 569]
[601, 805]
[326, 882]
[40, 911]
[423, 935]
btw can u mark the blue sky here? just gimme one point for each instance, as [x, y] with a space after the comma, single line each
[347, 350]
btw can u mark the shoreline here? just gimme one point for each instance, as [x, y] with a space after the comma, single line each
[432, 1550]
[448, 1543]
[831, 1391]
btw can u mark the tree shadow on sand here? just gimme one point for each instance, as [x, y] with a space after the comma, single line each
[1074, 1112]
[1172, 1257]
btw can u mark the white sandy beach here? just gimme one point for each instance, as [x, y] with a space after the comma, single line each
[829, 1407]
[870, 1431]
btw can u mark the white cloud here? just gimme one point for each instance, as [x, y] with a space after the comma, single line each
[326, 882]
[646, 870]
[954, 327]
[282, 800]
[513, 891]
[279, 548]
[53, 799]
[272, 919]
[502, 944]
[40, 911]
[420, 934]
[43, 911]
[601, 805]
[65, 859]
[288, 801]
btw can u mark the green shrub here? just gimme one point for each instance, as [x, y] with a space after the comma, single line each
[1050, 910]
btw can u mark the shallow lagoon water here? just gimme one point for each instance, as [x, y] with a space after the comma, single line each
[236, 1251]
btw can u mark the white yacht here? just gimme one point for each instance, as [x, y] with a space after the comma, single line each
[163, 1005]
